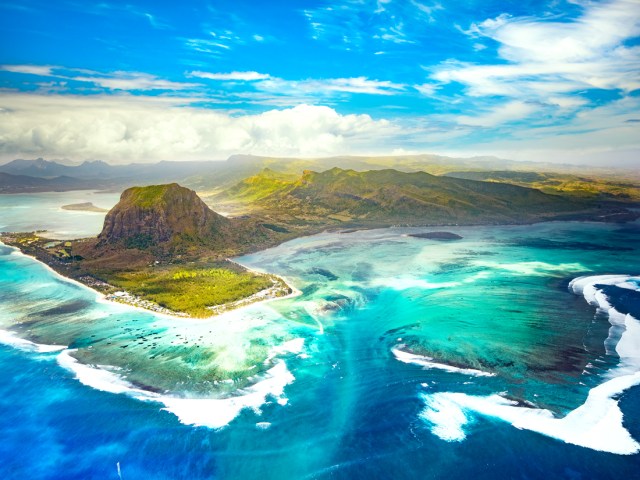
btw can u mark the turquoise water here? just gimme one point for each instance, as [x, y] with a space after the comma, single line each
[402, 358]
[41, 211]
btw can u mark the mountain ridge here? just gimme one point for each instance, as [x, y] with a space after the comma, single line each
[390, 197]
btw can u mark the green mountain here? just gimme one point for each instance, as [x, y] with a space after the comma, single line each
[390, 197]
[163, 215]
[171, 219]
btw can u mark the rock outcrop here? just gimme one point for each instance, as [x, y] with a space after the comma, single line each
[163, 215]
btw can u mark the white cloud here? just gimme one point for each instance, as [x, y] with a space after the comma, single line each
[350, 24]
[133, 81]
[553, 57]
[509, 112]
[128, 128]
[427, 10]
[124, 128]
[43, 70]
[426, 89]
[241, 76]
[212, 47]
[112, 81]
[321, 87]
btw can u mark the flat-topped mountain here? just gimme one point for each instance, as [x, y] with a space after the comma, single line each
[388, 197]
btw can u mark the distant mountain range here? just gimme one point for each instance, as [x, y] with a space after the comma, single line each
[43, 175]
[211, 177]
[98, 169]
[25, 184]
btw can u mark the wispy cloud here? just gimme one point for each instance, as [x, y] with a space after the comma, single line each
[349, 24]
[361, 85]
[241, 76]
[209, 47]
[215, 43]
[134, 81]
[43, 70]
[549, 57]
[504, 113]
[307, 88]
[106, 8]
[426, 89]
[113, 80]
[322, 88]
[427, 10]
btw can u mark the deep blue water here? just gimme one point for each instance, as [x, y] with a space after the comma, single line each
[497, 302]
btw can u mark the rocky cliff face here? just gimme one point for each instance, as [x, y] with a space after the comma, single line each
[162, 215]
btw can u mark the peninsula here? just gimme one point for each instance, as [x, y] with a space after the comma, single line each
[162, 248]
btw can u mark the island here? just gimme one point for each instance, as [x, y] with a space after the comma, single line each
[440, 236]
[84, 207]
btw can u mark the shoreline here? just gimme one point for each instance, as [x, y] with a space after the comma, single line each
[103, 298]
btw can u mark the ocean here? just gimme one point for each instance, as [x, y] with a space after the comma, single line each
[511, 353]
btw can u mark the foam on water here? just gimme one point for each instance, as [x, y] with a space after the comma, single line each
[596, 424]
[207, 412]
[216, 413]
[11, 339]
[407, 283]
[446, 417]
[427, 362]
[532, 268]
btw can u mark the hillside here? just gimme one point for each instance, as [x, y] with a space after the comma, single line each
[166, 215]
[390, 197]
[578, 186]
[171, 219]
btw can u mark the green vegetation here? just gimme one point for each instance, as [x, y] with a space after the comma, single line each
[191, 290]
[262, 185]
[140, 241]
[561, 184]
[349, 198]
[149, 196]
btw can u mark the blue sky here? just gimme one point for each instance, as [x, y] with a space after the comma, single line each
[149, 80]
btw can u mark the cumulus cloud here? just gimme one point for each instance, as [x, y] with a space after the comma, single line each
[127, 128]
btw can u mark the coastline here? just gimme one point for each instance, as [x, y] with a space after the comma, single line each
[256, 298]
[103, 298]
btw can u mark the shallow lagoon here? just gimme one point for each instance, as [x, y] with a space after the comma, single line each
[42, 211]
[339, 404]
